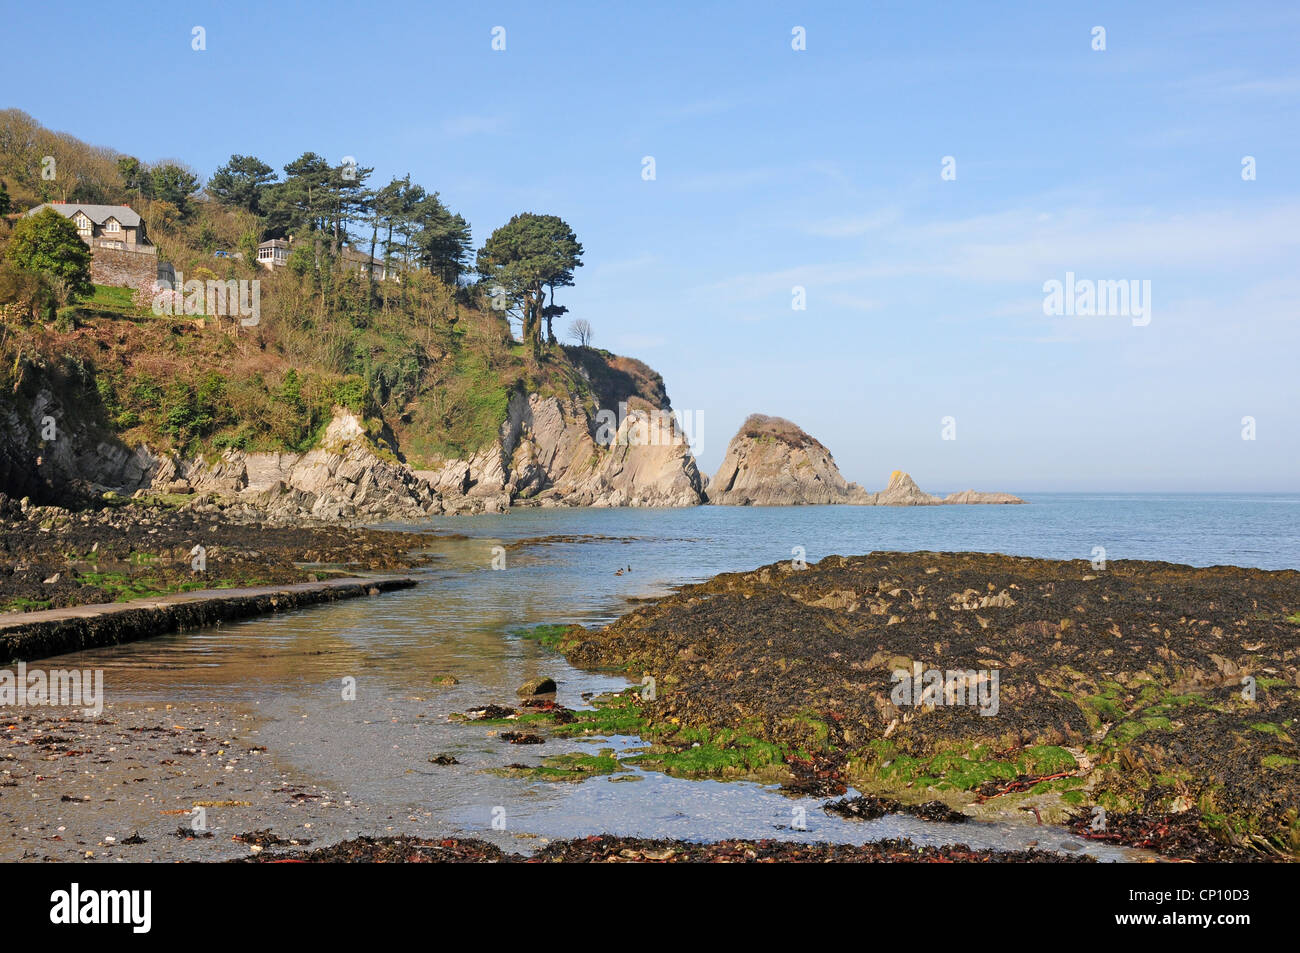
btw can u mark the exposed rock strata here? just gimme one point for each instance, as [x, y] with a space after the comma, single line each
[52, 453]
[343, 478]
[551, 452]
[772, 462]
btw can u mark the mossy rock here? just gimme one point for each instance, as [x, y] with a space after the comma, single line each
[573, 766]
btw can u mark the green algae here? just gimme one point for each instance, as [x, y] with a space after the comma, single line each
[615, 714]
[549, 635]
[1277, 761]
[571, 766]
[726, 755]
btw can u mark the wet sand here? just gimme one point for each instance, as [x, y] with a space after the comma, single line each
[122, 786]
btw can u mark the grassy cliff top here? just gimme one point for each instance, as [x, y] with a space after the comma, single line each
[762, 427]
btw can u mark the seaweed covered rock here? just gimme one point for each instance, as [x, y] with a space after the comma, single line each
[998, 684]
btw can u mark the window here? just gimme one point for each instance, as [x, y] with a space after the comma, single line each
[83, 223]
[112, 225]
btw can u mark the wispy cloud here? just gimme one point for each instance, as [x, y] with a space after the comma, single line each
[851, 302]
[1185, 254]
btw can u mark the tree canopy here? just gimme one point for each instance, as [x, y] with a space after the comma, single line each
[523, 258]
[172, 183]
[325, 205]
[241, 183]
[48, 243]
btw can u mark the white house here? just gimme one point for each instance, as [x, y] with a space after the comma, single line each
[274, 254]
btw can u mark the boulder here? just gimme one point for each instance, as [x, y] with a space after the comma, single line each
[536, 686]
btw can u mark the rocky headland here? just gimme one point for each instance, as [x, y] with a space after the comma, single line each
[772, 462]
[608, 437]
[552, 450]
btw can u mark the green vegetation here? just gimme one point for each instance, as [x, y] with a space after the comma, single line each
[616, 714]
[551, 636]
[1278, 761]
[25, 605]
[523, 258]
[722, 754]
[47, 245]
[576, 766]
[427, 360]
[123, 587]
[964, 768]
[108, 299]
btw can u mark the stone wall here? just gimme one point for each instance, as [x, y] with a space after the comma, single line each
[125, 269]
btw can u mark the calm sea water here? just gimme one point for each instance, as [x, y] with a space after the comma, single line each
[287, 667]
[678, 545]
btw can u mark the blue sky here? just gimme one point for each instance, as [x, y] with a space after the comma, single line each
[818, 168]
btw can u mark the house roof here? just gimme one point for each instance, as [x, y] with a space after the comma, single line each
[274, 243]
[351, 254]
[98, 214]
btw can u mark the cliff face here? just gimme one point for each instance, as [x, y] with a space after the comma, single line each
[342, 478]
[552, 452]
[54, 447]
[549, 453]
[601, 440]
[771, 462]
[590, 434]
